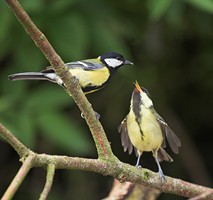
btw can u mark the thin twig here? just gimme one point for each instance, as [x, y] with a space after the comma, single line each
[13, 141]
[49, 181]
[23, 171]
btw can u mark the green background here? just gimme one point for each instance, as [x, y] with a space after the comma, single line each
[171, 45]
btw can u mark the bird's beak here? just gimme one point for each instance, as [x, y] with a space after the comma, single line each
[126, 62]
[137, 86]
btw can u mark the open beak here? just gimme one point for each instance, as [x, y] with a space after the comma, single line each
[126, 62]
[137, 86]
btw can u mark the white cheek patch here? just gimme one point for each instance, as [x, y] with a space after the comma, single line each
[147, 102]
[113, 62]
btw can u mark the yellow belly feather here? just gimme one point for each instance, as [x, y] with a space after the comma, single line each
[152, 135]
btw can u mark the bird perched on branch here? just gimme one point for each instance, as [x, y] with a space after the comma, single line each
[92, 74]
[145, 130]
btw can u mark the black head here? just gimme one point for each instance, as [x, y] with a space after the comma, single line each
[114, 60]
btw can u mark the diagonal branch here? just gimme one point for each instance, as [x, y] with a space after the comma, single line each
[49, 181]
[13, 141]
[73, 88]
[23, 171]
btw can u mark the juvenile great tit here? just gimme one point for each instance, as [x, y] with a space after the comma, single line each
[145, 130]
[92, 74]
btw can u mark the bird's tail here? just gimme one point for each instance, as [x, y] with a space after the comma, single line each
[28, 76]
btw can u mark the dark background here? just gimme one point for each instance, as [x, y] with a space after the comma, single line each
[171, 45]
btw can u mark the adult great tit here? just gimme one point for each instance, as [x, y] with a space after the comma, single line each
[92, 74]
[145, 130]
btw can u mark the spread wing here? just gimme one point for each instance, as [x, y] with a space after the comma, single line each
[173, 140]
[90, 64]
[125, 141]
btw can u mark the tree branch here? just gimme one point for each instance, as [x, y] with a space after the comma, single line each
[128, 190]
[49, 181]
[73, 88]
[120, 191]
[23, 171]
[13, 141]
[202, 195]
[119, 170]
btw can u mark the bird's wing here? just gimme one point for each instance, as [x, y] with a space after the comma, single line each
[90, 64]
[125, 141]
[163, 155]
[173, 140]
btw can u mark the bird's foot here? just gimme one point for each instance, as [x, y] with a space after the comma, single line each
[138, 166]
[162, 176]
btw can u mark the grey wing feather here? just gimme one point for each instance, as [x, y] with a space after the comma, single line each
[173, 140]
[162, 155]
[84, 64]
[125, 141]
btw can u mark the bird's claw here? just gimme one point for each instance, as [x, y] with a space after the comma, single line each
[162, 176]
[138, 166]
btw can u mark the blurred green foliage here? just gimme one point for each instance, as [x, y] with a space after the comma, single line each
[171, 44]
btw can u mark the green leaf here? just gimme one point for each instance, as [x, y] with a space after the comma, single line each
[157, 8]
[63, 133]
[205, 5]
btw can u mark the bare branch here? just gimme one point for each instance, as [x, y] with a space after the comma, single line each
[13, 141]
[128, 190]
[49, 181]
[120, 191]
[121, 171]
[23, 171]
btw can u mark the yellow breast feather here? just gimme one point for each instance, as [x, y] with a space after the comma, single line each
[91, 78]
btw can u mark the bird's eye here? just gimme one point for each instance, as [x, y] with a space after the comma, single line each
[119, 58]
